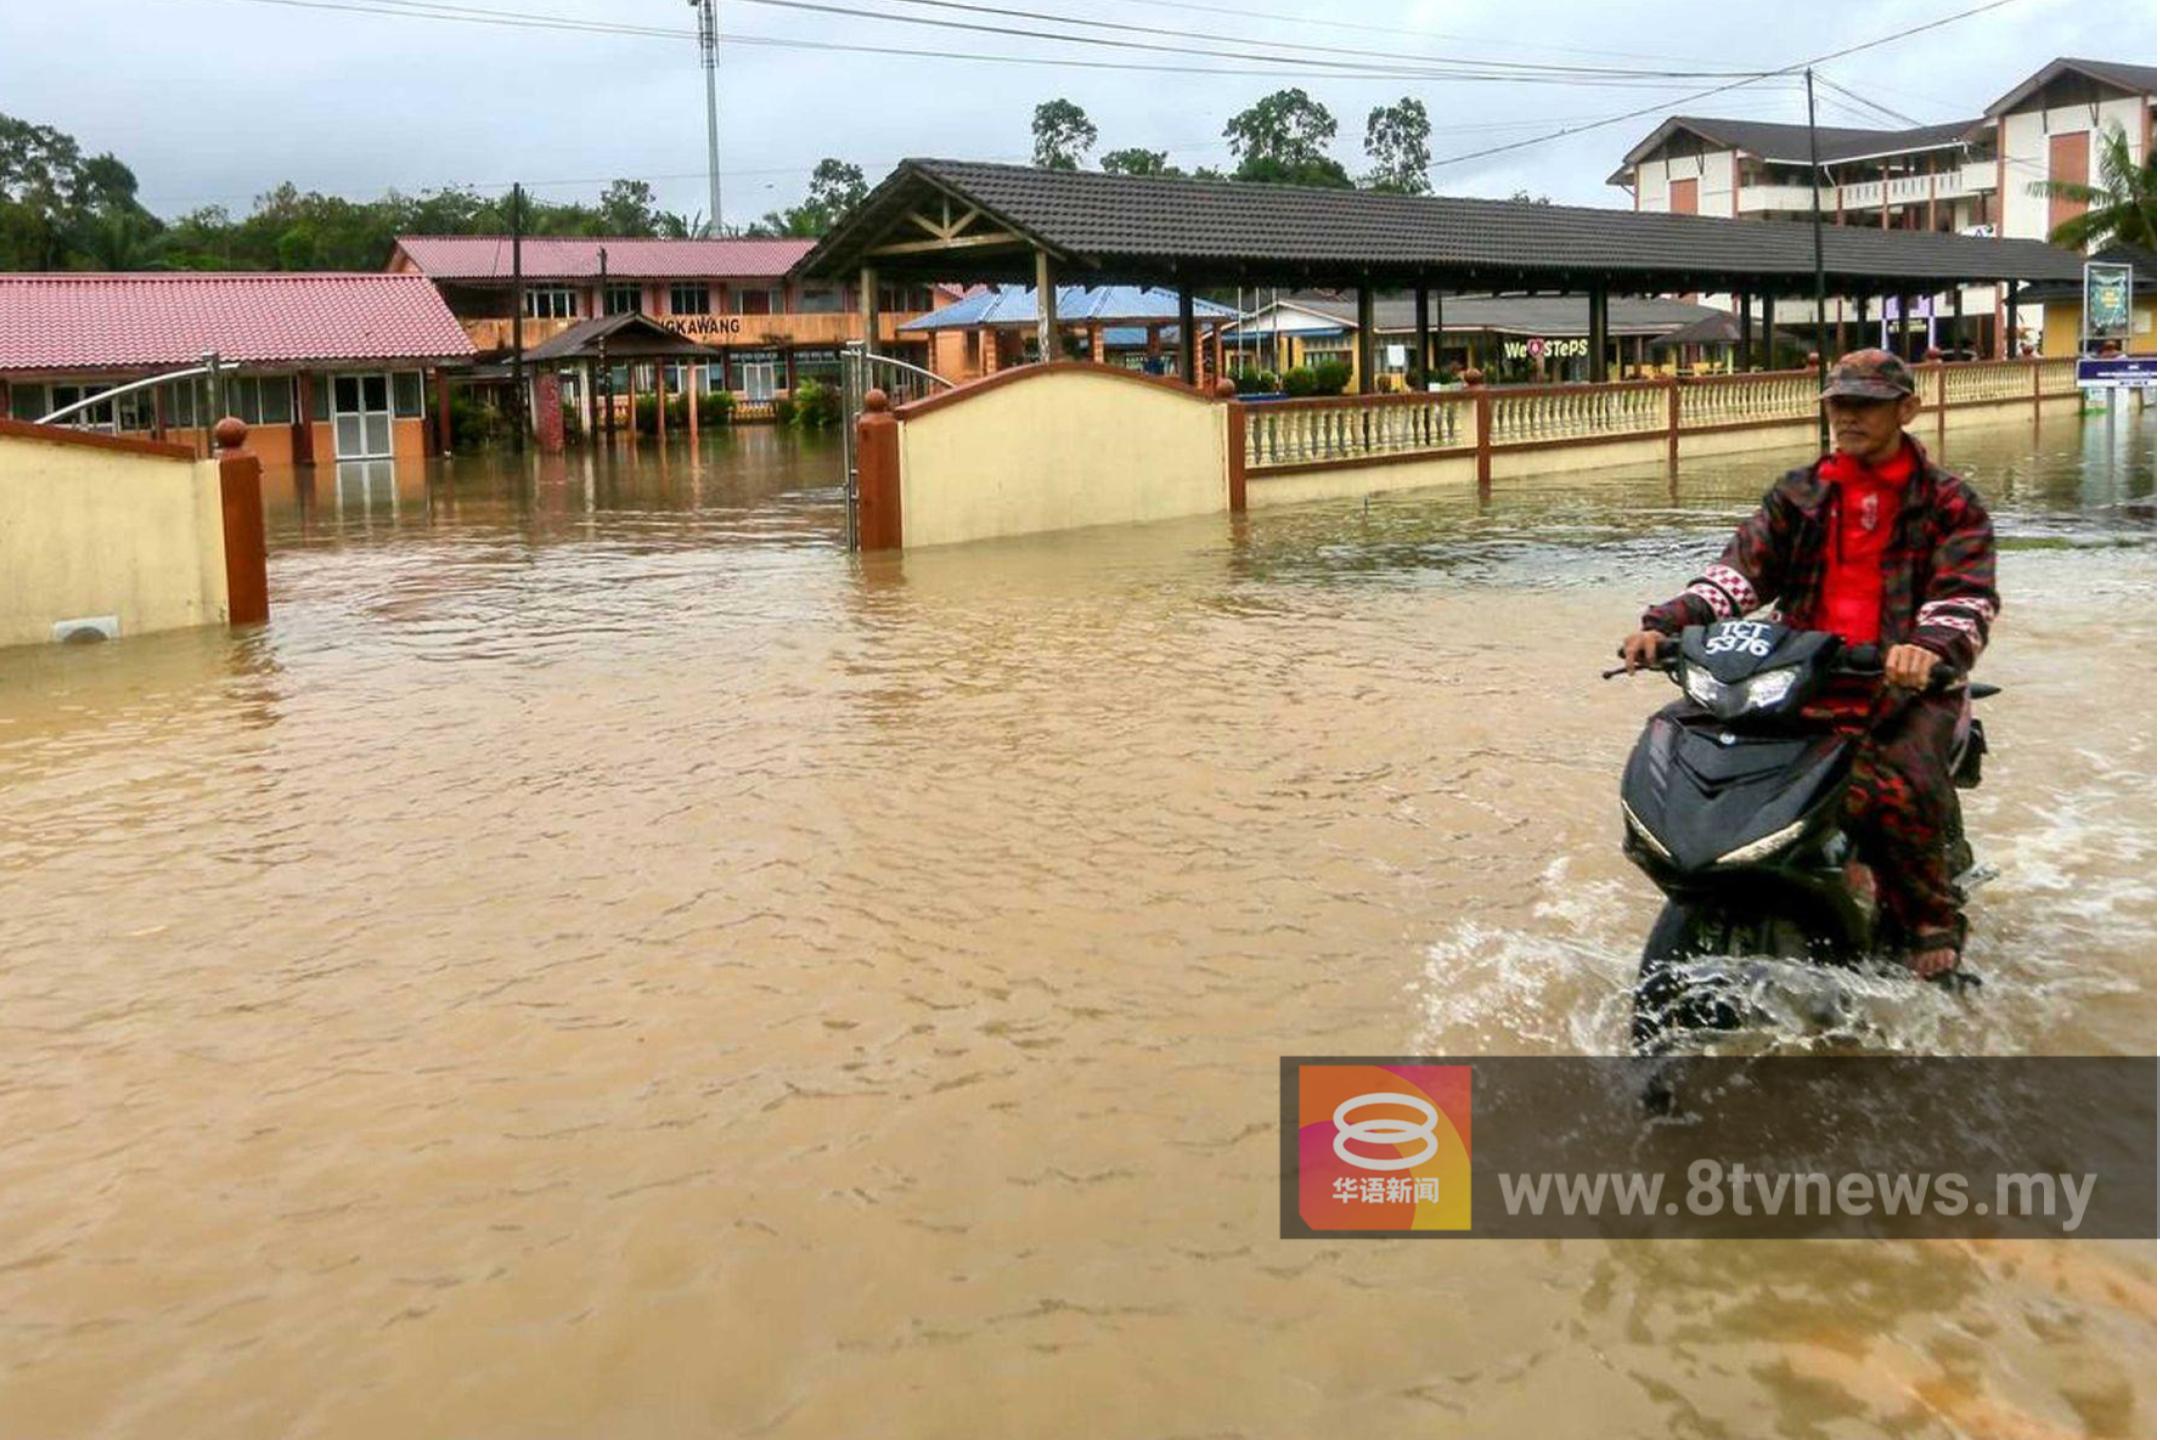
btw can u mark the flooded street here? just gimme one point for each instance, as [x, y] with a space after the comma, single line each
[605, 961]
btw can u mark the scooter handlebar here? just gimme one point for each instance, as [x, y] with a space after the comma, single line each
[1867, 660]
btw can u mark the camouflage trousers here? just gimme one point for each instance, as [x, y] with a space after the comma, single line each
[1900, 807]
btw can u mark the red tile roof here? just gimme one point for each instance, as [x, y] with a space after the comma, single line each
[66, 321]
[557, 257]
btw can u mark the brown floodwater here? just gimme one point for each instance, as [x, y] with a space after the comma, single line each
[605, 961]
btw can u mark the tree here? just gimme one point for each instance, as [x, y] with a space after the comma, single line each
[59, 209]
[1063, 135]
[1524, 197]
[1398, 142]
[2118, 211]
[626, 208]
[1282, 140]
[1136, 161]
[836, 187]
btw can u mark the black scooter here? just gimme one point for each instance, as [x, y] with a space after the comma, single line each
[1733, 802]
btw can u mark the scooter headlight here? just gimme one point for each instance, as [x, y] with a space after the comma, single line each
[1764, 848]
[1762, 691]
[1704, 688]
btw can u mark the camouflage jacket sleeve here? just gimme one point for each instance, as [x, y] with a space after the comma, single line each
[1960, 604]
[1747, 576]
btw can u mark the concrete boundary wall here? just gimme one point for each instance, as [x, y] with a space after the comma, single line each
[1052, 447]
[136, 533]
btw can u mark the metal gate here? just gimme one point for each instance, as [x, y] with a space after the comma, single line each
[861, 372]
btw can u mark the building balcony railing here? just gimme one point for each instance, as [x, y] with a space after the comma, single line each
[748, 331]
[1756, 198]
[1977, 178]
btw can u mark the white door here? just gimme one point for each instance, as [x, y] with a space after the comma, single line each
[758, 382]
[360, 416]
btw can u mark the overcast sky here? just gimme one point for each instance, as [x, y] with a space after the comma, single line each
[215, 101]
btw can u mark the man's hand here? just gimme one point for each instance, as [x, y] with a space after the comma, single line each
[1908, 666]
[1640, 650]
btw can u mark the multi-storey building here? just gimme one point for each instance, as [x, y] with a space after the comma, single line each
[733, 295]
[1980, 176]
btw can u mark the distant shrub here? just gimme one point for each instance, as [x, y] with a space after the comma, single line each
[716, 407]
[783, 410]
[1300, 382]
[817, 404]
[1255, 382]
[1331, 377]
[474, 424]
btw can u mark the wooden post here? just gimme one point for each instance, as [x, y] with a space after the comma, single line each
[659, 390]
[1216, 333]
[1233, 440]
[1475, 379]
[445, 433]
[1046, 316]
[877, 475]
[1188, 343]
[1747, 329]
[1598, 326]
[868, 301]
[157, 410]
[690, 394]
[1423, 367]
[1769, 328]
[247, 573]
[1439, 332]
[1367, 381]
[1672, 425]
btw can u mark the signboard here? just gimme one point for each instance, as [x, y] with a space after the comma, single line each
[708, 328]
[1539, 347]
[2115, 372]
[2107, 300]
[1398, 356]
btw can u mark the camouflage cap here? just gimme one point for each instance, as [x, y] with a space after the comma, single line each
[1869, 375]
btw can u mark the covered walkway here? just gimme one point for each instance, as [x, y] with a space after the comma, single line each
[944, 220]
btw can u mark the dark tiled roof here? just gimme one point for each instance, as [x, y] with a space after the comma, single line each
[1132, 227]
[1522, 314]
[628, 335]
[1788, 144]
[2137, 79]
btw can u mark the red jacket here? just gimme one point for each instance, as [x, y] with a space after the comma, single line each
[1937, 563]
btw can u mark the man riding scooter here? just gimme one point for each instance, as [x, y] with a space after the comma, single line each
[1883, 547]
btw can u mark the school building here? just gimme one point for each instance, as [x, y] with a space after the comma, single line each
[1978, 176]
[322, 367]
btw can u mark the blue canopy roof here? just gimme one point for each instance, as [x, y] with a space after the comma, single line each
[1076, 305]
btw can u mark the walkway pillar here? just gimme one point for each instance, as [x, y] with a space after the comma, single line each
[1046, 316]
[1423, 367]
[247, 582]
[2010, 324]
[585, 402]
[1769, 329]
[1599, 302]
[691, 394]
[1957, 318]
[877, 474]
[867, 282]
[659, 391]
[1747, 329]
[1367, 381]
[1188, 343]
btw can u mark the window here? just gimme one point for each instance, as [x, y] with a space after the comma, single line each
[759, 302]
[406, 392]
[689, 300]
[820, 300]
[257, 399]
[624, 299]
[551, 302]
[27, 402]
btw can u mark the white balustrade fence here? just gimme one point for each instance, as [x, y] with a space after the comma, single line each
[1301, 432]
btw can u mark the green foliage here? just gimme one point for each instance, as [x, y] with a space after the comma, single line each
[475, 424]
[61, 210]
[836, 187]
[1136, 161]
[648, 415]
[1255, 382]
[1282, 140]
[1524, 197]
[716, 407]
[2119, 211]
[1299, 383]
[1063, 135]
[1398, 141]
[1331, 377]
[816, 404]
[783, 410]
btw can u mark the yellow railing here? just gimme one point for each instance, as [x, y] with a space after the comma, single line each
[1549, 414]
[1360, 427]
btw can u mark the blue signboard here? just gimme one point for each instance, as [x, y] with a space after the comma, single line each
[2115, 372]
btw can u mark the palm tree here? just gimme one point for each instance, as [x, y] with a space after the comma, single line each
[2118, 211]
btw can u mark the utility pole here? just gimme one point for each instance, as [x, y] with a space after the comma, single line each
[607, 371]
[1822, 347]
[517, 318]
[708, 36]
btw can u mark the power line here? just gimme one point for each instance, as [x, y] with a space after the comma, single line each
[1332, 24]
[1784, 72]
[1872, 104]
[1394, 69]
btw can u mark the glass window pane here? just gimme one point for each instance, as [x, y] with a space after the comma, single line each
[27, 402]
[406, 384]
[375, 392]
[276, 399]
[348, 394]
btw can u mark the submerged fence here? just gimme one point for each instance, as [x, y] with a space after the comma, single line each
[1283, 437]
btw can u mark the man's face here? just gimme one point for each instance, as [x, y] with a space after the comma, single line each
[1869, 429]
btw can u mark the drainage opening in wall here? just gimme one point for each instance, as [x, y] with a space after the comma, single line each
[86, 630]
